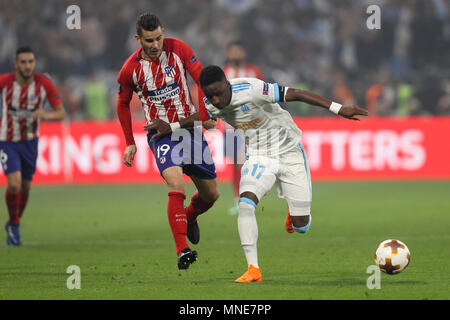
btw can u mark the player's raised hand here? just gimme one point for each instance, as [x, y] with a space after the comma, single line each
[128, 155]
[351, 111]
[160, 126]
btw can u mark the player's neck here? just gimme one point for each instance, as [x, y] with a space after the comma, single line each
[146, 57]
[23, 81]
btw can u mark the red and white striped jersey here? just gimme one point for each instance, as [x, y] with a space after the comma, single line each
[246, 71]
[18, 104]
[161, 84]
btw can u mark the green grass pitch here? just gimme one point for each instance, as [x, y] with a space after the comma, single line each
[120, 238]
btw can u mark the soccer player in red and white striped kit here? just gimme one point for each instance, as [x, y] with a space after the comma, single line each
[157, 73]
[23, 94]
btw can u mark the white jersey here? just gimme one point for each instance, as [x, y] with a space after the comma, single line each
[268, 129]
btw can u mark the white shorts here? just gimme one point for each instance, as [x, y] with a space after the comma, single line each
[290, 173]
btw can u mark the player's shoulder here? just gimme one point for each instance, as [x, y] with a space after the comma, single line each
[181, 49]
[44, 79]
[129, 65]
[6, 77]
[244, 83]
[132, 60]
[174, 44]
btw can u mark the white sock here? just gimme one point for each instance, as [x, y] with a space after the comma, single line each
[248, 232]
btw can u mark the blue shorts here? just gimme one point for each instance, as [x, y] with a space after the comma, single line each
[187, 149]
[19, 156]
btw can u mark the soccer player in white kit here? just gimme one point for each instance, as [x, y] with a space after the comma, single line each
[274, 152]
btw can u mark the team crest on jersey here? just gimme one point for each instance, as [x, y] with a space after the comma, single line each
[34, 98]
[170, 71]
[162, 160]
[245, 108]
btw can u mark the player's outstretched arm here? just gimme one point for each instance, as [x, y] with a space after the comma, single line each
[57, 114]
[346, 111]
[163, 128]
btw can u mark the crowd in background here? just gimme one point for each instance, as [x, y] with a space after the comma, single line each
[402, 69]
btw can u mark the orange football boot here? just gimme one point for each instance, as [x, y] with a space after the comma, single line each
[252, 274]
[288, 224]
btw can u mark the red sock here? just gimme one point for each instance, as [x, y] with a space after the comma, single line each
[197, 207]
[23, 202]
[177, 219]
[12, 202]
[236, 179]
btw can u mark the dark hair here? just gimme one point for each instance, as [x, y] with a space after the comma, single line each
[211, 74]
[24, 49]
[147, 21]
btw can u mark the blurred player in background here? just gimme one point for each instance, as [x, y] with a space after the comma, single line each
[238, 67]
[22, 97]
[275, 154]
[157, 73]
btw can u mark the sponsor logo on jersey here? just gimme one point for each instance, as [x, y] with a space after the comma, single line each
[266, 88]
[164, 93]
[252, 124]
[21, 113]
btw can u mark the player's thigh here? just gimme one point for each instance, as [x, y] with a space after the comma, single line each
[207, 188]
[294, 185]
[11, 164]
[257, 176]
[28, 158]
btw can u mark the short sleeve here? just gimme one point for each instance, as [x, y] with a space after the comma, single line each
[265, 92]
[52, 93]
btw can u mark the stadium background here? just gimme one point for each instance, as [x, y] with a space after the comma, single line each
[398, 72]
[87, 209]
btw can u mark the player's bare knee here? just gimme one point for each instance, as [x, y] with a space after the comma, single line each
[14, 188]
[175, 186]
[26, 186]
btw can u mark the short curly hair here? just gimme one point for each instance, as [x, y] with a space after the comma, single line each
[211, 74]
[147, 21]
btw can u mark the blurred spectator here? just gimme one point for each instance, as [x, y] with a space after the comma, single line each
[444, 101]
[96, 99]
[236, 63]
